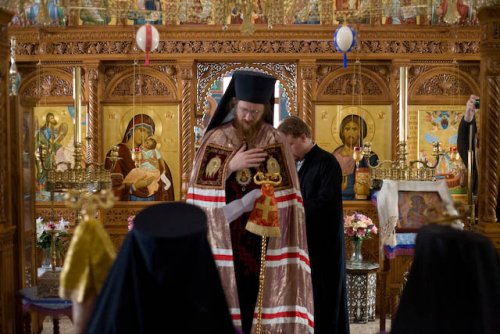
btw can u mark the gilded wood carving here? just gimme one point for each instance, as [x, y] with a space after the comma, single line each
[292, 42]
[358, 81]
[139, 82]
[209, 73]
[453, 83]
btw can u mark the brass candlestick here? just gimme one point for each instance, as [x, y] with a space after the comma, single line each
[53, 250]
[400, 168]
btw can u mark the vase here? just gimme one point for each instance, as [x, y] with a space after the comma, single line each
[46, 259]
[357, 255]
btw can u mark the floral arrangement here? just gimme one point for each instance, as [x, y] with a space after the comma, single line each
[359, 227]
[130, 221]
[43, 235]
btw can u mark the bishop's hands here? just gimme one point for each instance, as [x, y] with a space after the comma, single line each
[244, 158]
[236, 208]
[470, 109]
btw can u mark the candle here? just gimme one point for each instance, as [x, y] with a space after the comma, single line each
[403, 103]
[77, 95]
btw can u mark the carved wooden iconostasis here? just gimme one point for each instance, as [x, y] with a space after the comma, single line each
[175, 90]
[437, 92]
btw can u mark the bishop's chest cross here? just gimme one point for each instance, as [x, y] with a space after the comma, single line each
[266, 207]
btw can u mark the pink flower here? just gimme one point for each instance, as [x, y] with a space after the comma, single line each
[51, 226]
[361, 232]
[359, 226]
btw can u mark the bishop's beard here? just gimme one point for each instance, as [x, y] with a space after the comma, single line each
[246, 132]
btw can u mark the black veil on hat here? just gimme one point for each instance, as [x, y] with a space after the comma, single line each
[453, 285]
[163, 277]
[249, 86]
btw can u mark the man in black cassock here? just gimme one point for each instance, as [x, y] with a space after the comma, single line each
[164, 279]
[467, 130]
[468, 123]
[453, 285]
[320, 183]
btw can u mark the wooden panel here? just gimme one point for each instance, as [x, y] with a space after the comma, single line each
[114, 219]
[8, 267]
[281, 43]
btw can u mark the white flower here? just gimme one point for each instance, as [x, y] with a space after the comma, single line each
[63, 225]
[359, 224]
[40, 227]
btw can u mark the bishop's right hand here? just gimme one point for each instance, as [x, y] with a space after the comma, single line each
[244, 158]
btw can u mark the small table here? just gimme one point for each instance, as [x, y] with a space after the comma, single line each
[45, 306]
[361, 290]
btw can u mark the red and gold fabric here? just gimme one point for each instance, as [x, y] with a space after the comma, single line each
[263, 219]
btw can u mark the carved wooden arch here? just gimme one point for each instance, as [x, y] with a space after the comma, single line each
[48, 85]
[156, 86]
[337, 86]
[453, 86]
[289, 91]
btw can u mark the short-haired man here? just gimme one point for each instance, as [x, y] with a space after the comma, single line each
[468, 135]
[320, 183]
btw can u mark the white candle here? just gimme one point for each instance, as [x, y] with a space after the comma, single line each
[403, 103]
[78, 112]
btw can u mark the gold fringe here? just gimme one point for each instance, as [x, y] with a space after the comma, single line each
[263, 231]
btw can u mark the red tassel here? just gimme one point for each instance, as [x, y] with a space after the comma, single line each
[149, 42]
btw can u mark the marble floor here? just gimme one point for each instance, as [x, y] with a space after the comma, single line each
[66, 327]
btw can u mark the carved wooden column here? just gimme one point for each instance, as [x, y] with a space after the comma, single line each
[488, 161]
[8, 269]
[307, 72]
[186, 70]
[92, 80]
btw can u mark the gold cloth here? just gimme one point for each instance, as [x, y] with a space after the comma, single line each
[90, 255]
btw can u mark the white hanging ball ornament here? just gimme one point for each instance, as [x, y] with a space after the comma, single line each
[344, 38]
[147, 39]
